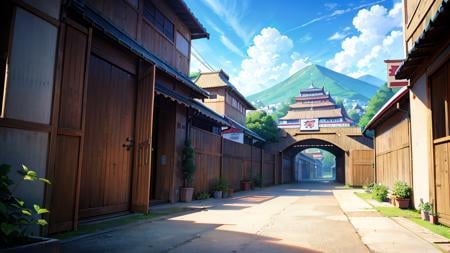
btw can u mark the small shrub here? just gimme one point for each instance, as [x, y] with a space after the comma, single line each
[426, 207]
[257, 181]
[379, 192]
[368, 188]
[202, 195]
[188, 163]
[220, 185]
[401, 190]
[15, 215]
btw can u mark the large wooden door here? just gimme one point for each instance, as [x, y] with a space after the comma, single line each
[109, 133]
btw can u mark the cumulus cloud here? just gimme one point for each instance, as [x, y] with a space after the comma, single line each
[379, 37]
[268, 61]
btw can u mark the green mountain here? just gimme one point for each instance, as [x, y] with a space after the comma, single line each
[339, 86]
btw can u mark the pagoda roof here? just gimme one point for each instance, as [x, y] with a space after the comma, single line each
[321, 97]
[309, 105]
[314, 114]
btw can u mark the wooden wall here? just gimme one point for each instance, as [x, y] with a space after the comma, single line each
[361, 168]
[392, 151]
[207, 159]
[216, 157]
[442, 180]
[128, 16]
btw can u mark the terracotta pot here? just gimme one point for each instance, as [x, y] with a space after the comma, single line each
[186, 194]
[218, 194]
[402, 203]
[245, 185]
[37, 245]
[433, 219]
[424, 215]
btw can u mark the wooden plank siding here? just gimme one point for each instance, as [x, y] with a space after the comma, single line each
[130, 19]
[207, 159]
[361, 167]
[392, 152]
[442, 180]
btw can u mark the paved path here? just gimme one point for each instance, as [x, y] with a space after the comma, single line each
[288, 218]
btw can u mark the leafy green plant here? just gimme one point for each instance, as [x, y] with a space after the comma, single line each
[202, 195]
[426, 207]
[401, 190]
[15, 216]
[188, 163]
[379, 192]
[368, 188]
[257, 181]
[220, 185]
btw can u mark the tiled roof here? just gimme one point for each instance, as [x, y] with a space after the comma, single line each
[309, 105]
[314, 114]
[220, 79]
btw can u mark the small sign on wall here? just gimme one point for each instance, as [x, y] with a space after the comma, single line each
[392, 66]
[309, 124]
[236, 137]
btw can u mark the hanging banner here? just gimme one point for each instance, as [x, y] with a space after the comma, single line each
[309, 124]
[392, 66]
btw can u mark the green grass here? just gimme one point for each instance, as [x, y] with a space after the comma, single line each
[410, 214]
[91, 228]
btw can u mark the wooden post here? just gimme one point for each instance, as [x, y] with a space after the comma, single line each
[221, 158]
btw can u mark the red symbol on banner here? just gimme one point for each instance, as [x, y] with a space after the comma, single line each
[393, 69]
[309, 123]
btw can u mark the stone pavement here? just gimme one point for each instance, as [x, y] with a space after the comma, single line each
[380, 234]
[288, 218]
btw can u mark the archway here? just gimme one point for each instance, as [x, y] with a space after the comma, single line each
[292, 151]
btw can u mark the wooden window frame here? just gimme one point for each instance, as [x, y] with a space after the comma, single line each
[153, 20]
[22, 124]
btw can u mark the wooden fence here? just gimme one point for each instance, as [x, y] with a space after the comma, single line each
[217, 157]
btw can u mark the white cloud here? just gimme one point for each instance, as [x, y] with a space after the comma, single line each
[268, 61]
[299, 64]
[337, 36]
[379, 37]
[333, 14]
[232, 13]
[230, 45]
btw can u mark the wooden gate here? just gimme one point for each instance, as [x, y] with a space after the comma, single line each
[109, 137]
[361, 170]
[442, 181]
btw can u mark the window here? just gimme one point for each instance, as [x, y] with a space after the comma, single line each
[161, 22]
[440, 97]
[212, 96]
[30, 69]
[182, 44]
[5, 26]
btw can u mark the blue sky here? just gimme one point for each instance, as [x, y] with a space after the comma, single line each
[260, 42]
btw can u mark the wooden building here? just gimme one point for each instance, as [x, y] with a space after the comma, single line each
[392, 138]
[427, 66]
[316, 104]
[95, 96]
[226, 100]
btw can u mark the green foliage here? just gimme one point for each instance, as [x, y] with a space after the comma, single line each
[329, 160]
[375, 103]
[202, 195]
[193, 75]
[401, 190]
[220, 185]
[257, 181]
[15, 216]
[368, 188]
[354, 115]
[282, 109]
[263, 125]
[426, 207]
[188, 163]
[379, 192]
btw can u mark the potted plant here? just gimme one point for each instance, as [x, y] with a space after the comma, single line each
[257, 181]
[401, 192]
[246, 184]
[433, 217]
[425, 209]
[16, 217]
[187, 190]
[219, 188]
